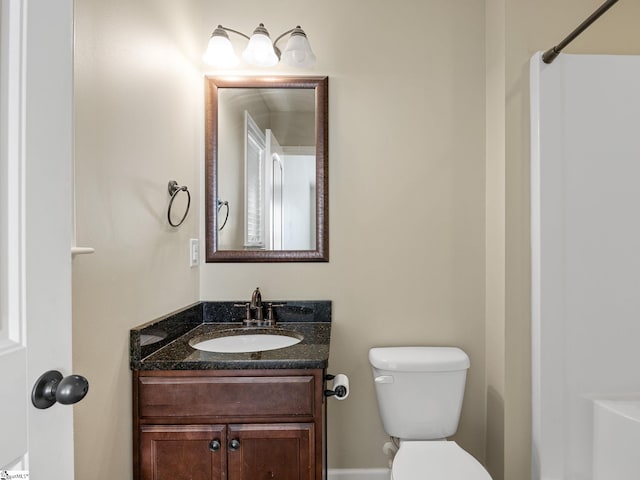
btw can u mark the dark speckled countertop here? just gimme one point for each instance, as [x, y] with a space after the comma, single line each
[163, 344]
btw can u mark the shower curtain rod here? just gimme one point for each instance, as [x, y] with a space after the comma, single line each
[551, 54]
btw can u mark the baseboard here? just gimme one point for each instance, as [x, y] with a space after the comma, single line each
[358, 474]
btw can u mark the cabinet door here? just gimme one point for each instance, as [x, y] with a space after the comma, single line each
[182, 452]
[271, 451]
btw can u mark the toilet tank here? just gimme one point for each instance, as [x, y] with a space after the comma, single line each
[419, 390]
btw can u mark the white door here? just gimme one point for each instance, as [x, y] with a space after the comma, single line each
[273, 191]
[36, 138]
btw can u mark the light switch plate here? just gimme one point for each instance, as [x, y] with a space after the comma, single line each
[194, 252]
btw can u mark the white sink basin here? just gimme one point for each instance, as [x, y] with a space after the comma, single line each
[245, 342]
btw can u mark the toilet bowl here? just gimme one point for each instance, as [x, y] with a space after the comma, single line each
[435, 460]
[420, 392]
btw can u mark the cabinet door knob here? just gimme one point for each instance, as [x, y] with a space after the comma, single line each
[234, 444]
[214, 446]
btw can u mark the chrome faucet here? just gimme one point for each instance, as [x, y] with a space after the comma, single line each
[256, 304]
[254, 311]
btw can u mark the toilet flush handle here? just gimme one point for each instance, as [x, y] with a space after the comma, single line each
[384, 379]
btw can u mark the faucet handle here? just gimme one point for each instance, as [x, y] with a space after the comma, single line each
[270, 307]
[247, 310]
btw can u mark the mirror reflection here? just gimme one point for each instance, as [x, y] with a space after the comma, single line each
[266, 170]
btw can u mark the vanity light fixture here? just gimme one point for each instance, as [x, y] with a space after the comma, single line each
[260, 51]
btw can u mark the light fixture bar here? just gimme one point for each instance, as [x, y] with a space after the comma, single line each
[260, 51]
[226, 29]
[282, 35]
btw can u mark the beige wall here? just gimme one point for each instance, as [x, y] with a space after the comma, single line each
[231, 131]
[138, 116]
[406, 172]
[495, 236]
[407, 228]
[414, 219]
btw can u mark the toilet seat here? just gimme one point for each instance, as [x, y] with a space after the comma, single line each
[435, 460]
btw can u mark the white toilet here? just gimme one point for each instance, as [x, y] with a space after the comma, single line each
[420, 391]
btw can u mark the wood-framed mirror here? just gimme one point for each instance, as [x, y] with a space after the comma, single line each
[266, 169]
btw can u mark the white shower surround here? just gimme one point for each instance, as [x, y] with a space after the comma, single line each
[585, 233]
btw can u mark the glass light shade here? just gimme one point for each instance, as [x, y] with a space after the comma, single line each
[298, 51]
[259, 51]
[220, 52]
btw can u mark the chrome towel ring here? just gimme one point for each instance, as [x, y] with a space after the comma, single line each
[174, 189]
[223, 203]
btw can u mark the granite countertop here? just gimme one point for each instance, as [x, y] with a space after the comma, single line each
[163, 344]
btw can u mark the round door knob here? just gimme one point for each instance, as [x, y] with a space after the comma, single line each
[214, 446]
[51, 387]
[234, 444]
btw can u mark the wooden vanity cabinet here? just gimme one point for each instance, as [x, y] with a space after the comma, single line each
[231, 425]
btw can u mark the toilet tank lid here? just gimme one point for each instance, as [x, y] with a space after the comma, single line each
[419, 359]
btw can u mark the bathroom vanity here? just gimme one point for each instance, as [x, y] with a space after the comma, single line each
[237, 416]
